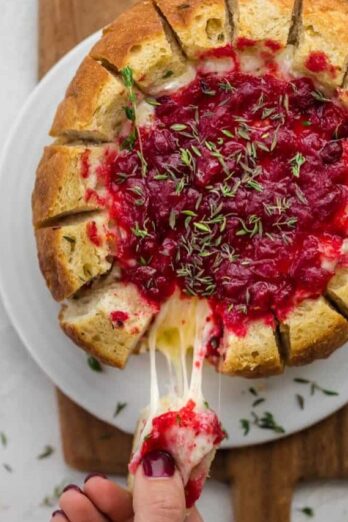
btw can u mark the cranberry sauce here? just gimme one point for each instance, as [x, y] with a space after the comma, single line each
[236, 192]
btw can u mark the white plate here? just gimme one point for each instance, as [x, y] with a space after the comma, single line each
[34, 313]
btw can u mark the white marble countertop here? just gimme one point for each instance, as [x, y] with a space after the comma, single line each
[28, 416]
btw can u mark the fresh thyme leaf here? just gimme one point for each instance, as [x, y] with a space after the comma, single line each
[70, 239]
[227, 133]
[314, 386]
[186, 157]
[308, 511]
[267, 422]
[94, 364]
[202, 227]
[152, 101]
[139, 232]
[258, 401]
[120, 406]
[296, 163]
[127, 76]
[130, 113]
[306, 123]
[172, 219]
[206, 89]
[178, 127]
[300, 401]
[3, 439]
[226, 86]
[320, 96]
[129, 142]
[160, 177]
[167, 74]
[253, 392]
[46, 452]
[196, 151]
[7, 467]
[245, 425]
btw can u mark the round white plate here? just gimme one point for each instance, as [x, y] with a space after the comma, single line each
[34, 313]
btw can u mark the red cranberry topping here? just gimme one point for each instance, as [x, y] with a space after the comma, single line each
[92, 233]
[245, 181]
[332, 152]
[118, 317]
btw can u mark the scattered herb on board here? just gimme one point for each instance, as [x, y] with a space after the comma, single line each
[314, 386]
[94, 364]
[296, 163]
[3, 439]
[46, 452]
[300, 401]
[308, 511]
[51, 500]
[7, 467]
[120, 406]
[264, 422]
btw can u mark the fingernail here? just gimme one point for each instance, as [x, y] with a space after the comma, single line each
[72, 487]
[92, 475]
[59, 512]
[158, 464]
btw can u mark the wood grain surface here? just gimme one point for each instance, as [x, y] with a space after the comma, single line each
[263, 477]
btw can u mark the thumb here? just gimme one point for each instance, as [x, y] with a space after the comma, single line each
[158, 490]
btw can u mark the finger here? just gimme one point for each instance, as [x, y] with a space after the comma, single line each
[109, 498]
[78, 507]
[194, 516]
[59, 516]
[158, 490]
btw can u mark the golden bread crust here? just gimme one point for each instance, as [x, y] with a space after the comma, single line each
[93, 105]
[324, 28]
[337, 290]
[313, 330]
[60, 185]
[200, 25]
[88, 322]
[68, 258]
[138, 39]
[254, 355]
[264, 19]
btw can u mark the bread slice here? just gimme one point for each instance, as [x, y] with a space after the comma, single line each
[254, 355]
[93, 105]
[200, 25]
[89, 322]
[264, 20]
[69, 258]
[337, 290]
[311, 331]
[324, 28]
[64, 174]
[137, 39]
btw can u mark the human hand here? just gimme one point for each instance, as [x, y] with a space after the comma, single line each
[158, 497]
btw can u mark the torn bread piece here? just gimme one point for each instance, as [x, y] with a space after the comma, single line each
[312, 330]
[107, 320]
[93, 107]
[73, 254]
[337, 290]
[181, 422]
[323, 41]
[266, 20]
[255, 354]
[152, 53]
[67, 181]
[200, 25]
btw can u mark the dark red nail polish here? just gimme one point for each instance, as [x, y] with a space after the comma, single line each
[92, 475]
[158, 464]
[72, 487]
[59, 512]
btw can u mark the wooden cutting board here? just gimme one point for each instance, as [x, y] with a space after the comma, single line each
[264, 477]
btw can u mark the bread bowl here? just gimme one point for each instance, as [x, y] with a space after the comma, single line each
[183, 108]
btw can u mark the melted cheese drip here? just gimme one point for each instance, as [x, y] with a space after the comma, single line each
[182, 326]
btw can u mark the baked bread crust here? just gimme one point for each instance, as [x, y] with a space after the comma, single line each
[60, 186]
[93, 105]
[324, 28]
[155, 41]
[264, 20]
[68, 259]
[254, 355]
[313, 330]
[137, 38]
[87, 321]
[200, 25]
